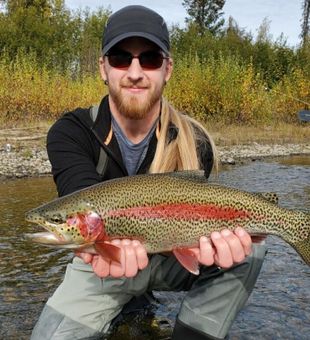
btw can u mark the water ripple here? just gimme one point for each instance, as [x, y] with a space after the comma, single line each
[278, 308]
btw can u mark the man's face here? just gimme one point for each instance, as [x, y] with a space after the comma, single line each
[135, 90]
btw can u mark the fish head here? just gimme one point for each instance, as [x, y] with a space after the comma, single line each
[70, 223]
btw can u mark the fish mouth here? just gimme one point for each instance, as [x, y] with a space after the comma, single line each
[52, 235]
[54, 228]
[49, 238]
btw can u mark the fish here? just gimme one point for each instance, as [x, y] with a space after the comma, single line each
[166, 212]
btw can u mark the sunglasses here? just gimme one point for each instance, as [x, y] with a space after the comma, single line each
[149, 60]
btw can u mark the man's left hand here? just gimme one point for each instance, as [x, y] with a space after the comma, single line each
[225, 248]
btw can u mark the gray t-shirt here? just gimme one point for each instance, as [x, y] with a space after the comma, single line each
[133, 154]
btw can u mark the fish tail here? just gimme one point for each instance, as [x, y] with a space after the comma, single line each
[302, 246]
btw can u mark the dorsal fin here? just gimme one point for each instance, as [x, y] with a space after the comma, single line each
[193, 175]
[269, 196]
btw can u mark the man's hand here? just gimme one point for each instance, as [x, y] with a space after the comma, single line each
[133, 258]
[224, 248]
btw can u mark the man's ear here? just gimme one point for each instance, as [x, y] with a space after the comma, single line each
[169, 69]
[102, 68]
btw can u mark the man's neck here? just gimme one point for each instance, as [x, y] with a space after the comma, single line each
[136, 129]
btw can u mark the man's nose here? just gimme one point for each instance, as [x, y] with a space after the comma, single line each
[135, 71]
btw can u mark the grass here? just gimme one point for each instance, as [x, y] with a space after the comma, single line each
[223, 134]
[280, 133]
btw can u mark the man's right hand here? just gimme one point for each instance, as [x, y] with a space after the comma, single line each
[133, 258]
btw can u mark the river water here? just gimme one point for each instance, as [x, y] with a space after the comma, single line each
[279, 307]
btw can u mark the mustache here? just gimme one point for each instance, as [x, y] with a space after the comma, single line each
[138, 85]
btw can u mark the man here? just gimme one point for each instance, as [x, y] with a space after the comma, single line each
[137, 131]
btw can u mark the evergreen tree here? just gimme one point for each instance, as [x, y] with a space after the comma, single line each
[305, 31]
[206, 14]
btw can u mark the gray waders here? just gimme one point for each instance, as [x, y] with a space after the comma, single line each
[84, 305]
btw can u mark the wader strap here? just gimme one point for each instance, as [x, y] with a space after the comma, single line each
[103, 158]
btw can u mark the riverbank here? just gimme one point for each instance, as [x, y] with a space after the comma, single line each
[26, 156]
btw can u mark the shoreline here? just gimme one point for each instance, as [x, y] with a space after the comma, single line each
[32, 160]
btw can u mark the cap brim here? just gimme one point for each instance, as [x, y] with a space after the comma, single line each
[147, 36]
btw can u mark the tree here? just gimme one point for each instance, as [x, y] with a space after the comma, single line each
[12, 5]
[263, 32]
[305, 22]
[40, 27]
[58, 38]
[206, 14]
[89, 44]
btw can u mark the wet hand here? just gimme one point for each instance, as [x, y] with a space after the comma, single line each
[133, 258]
[225, 248]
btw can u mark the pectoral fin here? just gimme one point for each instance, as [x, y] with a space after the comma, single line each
[108, 251]
[188, 259]
[269, 196]
[258, 238]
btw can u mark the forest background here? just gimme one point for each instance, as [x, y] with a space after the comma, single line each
[222, 75]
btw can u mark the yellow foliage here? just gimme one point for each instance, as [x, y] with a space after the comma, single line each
[223, 89]
[29, 94]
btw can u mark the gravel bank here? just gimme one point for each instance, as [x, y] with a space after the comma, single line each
[33, 161]
[236, 153]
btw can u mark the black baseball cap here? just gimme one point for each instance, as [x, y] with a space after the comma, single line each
[136, 21]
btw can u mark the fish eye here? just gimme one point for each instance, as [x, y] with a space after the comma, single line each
[56, 219]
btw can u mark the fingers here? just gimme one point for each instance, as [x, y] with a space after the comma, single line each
[133, 258]
[131, 263]
[86, 257]
[141, 254]
[206, 251]
[118, 269]
[245, 240]
[223, 248]
[235, 246]
[231, 247]
[222, 256]
[101, 266]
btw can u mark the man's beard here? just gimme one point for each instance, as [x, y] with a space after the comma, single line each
[135, 106]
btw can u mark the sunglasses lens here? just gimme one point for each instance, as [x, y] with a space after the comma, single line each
[149, 60]
[120, 59]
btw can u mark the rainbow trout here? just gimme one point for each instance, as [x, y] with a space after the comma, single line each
[166, 212]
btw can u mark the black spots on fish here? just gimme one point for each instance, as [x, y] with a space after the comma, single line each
[34, 218]
[68, 229]
[75, 234]
[304, 226]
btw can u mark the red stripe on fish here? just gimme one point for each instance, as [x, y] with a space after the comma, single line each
[182, 211]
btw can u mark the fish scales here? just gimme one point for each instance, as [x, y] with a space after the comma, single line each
[167, 211]
[160, 234]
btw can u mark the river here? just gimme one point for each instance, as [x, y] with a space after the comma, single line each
[279, 307]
